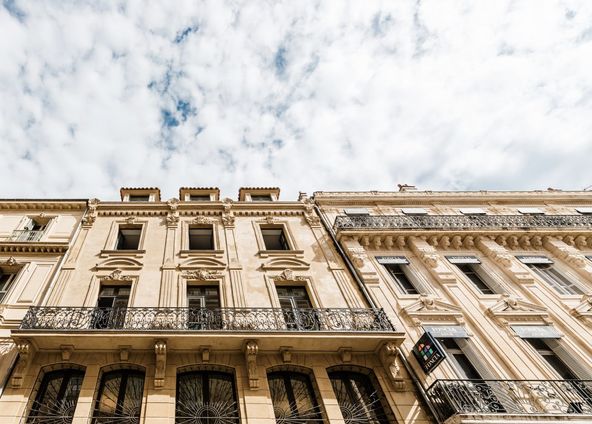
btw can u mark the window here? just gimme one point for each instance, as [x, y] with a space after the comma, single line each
[111, 307]
[414, 211]
[472, 272]
[204, 303]
[201, 238]
[199, 197]
[472, 211]
[293, 398]
[358, 399]
[261, 197]
[6, 280]
[551, 358]
[555, 279]
[400, 278]
[139, 197]
[120, 397]
[356, 211]
[531, 211]
[206, 397]
[128, 237]
[274, 239]
[459, 360]
[296, 308]
[57, 397]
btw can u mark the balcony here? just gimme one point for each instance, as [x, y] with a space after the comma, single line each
[504, 400]
[25, 235]
[463, 222]
[316, 329]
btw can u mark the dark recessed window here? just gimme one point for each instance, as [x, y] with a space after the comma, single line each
[261, 197]
[128, 238]
[556, 279]
[401, 279]
[293, 398]
[5, 283]
[201, 239]
[120, 397]
[274, 239]
[57, 397]
[470, 270]
[139, 197]
[206, 397]
[199, 197]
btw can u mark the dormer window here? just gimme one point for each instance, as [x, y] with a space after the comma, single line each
[258, 194]
[261, 198]
[199, 194]
[141, 194]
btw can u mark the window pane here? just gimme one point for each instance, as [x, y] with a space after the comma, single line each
[200, 197]
[358, 400]
[139, 198]
[201, 239]
[400, 278]
[261, 197]
[128, 238]
[57, 397]
[293, 398]
[475, 278]
[120, 397]
[274, 239]
[206, 397]
[555, 279]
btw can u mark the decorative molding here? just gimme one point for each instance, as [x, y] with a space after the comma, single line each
[91, 213]
[511, 309]
[286, 352]
[309, 212]
[429, 309]
[288, 275]
[508, 263]
[33, 247]
[203, 220]
[281, 263]
[251, 349]
[116, 276]
[131, 219]
[160, 350]
[116, 263]
[390, 362]
[205, 354]
[124, 352]
[583, 311]
[26, 352]
[66, 351]
[227, 213]
[429, 256]
[345, 354]
[172, 217]
[202, 275]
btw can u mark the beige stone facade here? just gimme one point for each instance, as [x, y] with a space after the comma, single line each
[502, 281]
[206, 310]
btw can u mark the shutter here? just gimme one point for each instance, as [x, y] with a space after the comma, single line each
[470, 350]
[579, 368]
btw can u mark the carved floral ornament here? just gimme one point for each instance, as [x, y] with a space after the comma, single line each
[583, 311]
[432, 309]
[116, 275]
[288, 275]
[514, 309]
[203, 220]
[202, 275]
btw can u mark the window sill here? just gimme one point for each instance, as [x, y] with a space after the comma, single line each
[136, 253]
[186, 253]
[281, 253]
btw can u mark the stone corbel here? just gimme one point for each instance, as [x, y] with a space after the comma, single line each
[227, 214]
[205, 354]
[390, 362]
[91, 213]
[309, 213]
[124, 352]
[160, 349]
[345, 353]
[508, 263]
[26, 353]
[286, 352]
[569, 254]
[359, 258]
[66, 351]
[251, 350]
[429, 256]
[172, 217]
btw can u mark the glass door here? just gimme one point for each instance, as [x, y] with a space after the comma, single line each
[111, 307]
[204, 308]
[297, 308]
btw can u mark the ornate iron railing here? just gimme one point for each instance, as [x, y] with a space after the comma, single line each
[463, 222]
[219, 319]
[522, 397]
[25, 235]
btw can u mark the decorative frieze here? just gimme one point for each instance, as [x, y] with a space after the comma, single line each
[203, 275]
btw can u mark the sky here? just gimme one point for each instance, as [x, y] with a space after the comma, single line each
[304, 95]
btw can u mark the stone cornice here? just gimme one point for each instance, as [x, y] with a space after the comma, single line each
[206, 208]
[33, 247]
[32, 204]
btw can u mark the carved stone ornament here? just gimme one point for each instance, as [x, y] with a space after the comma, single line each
[130, 219]
[513, 309]
[25, 349]
[91, 212]
[227, 214]
[251, 350]
[390, 363]
[584, 310]
[66, 351]
[203, 275]
[10, 262]
[203, 220]
[429, 309]
[172, 217]
[288, 275]
[116, 275]
[160, 350]
[269, 219]
[286, 352]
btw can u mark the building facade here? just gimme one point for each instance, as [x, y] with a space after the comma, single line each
[34, 237]
[492, 289]
[202, 310]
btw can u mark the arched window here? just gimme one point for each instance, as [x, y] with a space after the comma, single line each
[359, 400]
[294, 399]
[206, 397]
[120, 397]
[57, 397]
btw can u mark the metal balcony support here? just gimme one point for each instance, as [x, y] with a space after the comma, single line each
[462, 222]
[510, 397]
[214, 320]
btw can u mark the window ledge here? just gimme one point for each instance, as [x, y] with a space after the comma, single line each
[186, 253]
[136, 253]
[281, 253]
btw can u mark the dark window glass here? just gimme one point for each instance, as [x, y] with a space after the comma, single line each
[207, 397]
[111, 307]
[293, 398]
[555, 279]
[201, 239]
[139, 197]
[5, 283]
[358, 399]
[470, 271]
[261, 197]
[400, 278]
[297, 308]
[199, 197]
[57, 397]
[459, 359]
[552, 359]
[120, 397]
[204, 304]
[274, 239]
[128, 238]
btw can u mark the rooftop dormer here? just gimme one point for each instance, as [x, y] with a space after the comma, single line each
[258, 194]
[199, 194]
[140, 194]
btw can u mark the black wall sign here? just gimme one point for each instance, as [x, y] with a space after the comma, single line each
[428, 352]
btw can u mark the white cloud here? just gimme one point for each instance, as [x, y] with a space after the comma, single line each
[306, 95]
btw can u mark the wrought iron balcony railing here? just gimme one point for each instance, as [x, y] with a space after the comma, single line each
[510, 397]
[462, 222]
[219, 319]
[25, 235]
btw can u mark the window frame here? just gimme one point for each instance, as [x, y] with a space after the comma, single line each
[398, 284]
[283, 225]
[312, 389]
[128, 370]
[554, 282]
[8, 286]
